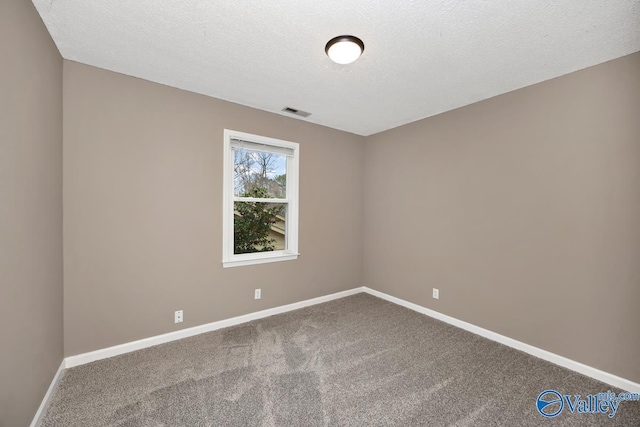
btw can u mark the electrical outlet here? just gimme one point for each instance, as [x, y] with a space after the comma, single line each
[257, 294]
[436, 293]
[178, 317]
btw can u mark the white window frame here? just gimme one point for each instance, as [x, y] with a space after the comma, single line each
[229, 259]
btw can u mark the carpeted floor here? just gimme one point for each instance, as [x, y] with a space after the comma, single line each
[357, 361]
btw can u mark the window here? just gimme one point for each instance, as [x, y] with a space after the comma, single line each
[260, 199]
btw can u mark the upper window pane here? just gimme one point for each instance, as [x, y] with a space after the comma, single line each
[259, 174]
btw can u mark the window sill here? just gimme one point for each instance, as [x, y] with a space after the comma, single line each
[240, 261]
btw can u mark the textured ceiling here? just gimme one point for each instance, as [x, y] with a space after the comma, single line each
[421, 57]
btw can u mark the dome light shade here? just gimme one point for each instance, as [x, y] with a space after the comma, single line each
[344, 49]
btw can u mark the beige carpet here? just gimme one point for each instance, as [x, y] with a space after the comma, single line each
[357, 361]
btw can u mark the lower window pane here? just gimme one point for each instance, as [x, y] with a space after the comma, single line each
[259, 227]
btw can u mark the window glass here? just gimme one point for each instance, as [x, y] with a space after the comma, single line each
[259, 174]
[259, 227]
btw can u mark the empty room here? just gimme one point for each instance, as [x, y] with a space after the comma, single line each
[296, 213]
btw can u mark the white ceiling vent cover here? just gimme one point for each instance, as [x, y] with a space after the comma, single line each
[296, 112]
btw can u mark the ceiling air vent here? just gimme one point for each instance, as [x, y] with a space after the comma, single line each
[296, 112]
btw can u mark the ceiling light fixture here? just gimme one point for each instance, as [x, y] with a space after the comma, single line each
[344, 49]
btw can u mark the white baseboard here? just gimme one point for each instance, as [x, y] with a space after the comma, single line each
[589, 371]
[117, 350]
[597, 374]
[37, 419]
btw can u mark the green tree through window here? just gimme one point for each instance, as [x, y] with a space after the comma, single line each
[253, 221]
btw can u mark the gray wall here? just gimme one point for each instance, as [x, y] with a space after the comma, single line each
[30, 212]
[143, 210]
[524, 210]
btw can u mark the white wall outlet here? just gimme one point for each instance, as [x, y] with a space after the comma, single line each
[178, 317]
[257, 294]
[436, 293]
